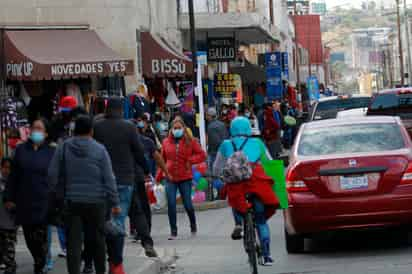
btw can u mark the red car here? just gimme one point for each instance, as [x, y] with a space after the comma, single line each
[348, 174]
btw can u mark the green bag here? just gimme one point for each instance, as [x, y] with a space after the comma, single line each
[275, 169]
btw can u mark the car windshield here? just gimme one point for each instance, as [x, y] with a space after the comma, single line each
[346, 139]
[329, 109]
[393, 104]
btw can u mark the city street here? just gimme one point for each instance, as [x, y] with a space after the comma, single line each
[214, 252]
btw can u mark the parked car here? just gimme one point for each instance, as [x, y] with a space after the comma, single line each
[356, 112]
[328, 108]
[351, 173]
[395, 102]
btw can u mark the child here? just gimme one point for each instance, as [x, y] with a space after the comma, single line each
[8, 230]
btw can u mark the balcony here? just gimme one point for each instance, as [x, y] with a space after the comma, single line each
[244, 19]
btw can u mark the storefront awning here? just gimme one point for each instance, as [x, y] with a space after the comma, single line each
[58, 54]
[160, 59]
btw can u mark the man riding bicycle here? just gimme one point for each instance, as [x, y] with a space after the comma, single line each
[259, 185]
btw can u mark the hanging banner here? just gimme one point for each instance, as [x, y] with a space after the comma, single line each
[285, 66]
[221, 49]
[188, 100]
[226, 84]
[273, 60]
[313, 88]
[274, 87]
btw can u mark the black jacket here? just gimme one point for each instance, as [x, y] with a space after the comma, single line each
[120, 139]
[27, 185]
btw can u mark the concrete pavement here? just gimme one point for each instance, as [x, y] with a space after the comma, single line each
[213, 252]
[135, 260]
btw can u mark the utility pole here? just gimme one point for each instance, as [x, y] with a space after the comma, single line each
[400, 44]
[193, 39]
[408, 42]
[194, 61]
[297, 54]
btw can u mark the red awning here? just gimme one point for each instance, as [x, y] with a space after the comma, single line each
[160, 59]
[56, 54]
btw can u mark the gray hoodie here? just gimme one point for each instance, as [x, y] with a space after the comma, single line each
[89, 173]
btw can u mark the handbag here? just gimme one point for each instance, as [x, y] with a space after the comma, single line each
[57, 205]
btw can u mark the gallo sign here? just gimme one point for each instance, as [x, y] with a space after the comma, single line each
[221, 49]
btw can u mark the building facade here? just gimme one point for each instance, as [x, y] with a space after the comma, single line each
[116, 22]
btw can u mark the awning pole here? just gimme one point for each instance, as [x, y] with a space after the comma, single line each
[202, 123]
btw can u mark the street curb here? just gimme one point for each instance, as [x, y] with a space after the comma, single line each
[158, 265]
[198, 207]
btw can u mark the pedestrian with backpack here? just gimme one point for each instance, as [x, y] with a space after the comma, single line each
[238, 162]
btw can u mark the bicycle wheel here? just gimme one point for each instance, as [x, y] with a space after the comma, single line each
[250, 242]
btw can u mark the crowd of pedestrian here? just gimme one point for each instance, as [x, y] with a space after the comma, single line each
[101, 165]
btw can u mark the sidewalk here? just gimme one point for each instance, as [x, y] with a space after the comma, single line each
[135, 260]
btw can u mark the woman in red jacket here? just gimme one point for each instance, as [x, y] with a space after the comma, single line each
[180, 152]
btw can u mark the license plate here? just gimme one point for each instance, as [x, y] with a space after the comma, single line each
[350, 183]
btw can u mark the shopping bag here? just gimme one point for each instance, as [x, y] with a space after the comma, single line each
[160, 194]
[275, 169]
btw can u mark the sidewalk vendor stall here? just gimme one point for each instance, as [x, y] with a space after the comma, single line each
[41, 66]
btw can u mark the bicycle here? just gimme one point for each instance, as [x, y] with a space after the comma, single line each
[252, 247]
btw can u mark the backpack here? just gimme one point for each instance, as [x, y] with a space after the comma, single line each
[237, 167]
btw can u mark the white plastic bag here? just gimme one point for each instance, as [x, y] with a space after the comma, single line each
[160, 194]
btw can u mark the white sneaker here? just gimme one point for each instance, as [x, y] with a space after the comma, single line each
[62, 254]
[267, 261]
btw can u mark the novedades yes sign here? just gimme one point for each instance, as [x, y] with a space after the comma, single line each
[221, 49]
[89, 68]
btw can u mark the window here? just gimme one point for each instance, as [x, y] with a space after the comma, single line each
[360, 138]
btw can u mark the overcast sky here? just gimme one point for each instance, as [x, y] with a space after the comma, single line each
[332, 3]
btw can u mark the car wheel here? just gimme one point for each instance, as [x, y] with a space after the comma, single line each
[294, 243]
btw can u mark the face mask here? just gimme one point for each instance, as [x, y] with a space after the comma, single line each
[161, 126]
[224, 112]
[37, 137]
[247, 114]
[140, 124]
[178, 133]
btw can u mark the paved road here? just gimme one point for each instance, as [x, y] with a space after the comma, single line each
[213, 252]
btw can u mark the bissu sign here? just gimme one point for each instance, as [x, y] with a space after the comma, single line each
[174, 66]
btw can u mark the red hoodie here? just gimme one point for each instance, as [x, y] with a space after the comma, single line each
[179, 161]
[270, 127]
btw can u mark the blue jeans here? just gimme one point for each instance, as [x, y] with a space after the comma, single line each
[237, 217]
[115, 245]
[261, 225]
[185, 189]
[61, 233]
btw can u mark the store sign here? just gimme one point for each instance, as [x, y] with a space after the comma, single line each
[19, 69]
[89, 68]
[221, 49]
[168, 66]
[226, 84]
[285, 66]
[274, 87]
